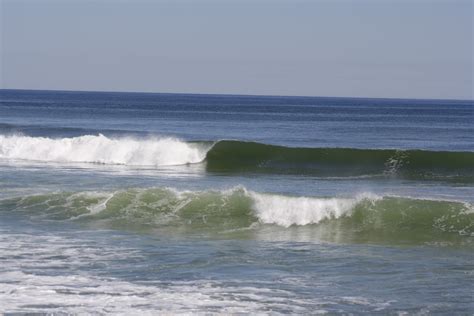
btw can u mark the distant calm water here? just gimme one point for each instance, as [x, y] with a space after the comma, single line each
[142, 203]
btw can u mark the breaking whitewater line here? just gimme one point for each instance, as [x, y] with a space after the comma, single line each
[240, 156]
[103, 150]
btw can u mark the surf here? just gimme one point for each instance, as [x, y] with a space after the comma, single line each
[363, 217]
[100, 149]
[233, 156]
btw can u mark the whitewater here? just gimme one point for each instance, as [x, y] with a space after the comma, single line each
[241, 156]
[101, 149]
[215, 212]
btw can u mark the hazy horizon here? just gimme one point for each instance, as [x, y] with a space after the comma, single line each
[229, 94]
[405, 50]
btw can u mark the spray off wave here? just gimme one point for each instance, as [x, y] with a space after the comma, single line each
[103, 150]
[365, 217]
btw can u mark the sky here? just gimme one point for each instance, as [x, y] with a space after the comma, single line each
[376, 48]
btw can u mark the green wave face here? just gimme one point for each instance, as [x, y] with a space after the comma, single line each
[239, 213]
[236, 156]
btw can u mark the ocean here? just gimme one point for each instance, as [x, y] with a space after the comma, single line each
[142, 203]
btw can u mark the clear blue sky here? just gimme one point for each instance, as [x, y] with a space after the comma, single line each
[378, 48]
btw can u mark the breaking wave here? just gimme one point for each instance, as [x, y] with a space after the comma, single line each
[366, 217]
[238, 156]
[103, 150]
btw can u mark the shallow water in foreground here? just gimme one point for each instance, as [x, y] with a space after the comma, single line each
[138, 203]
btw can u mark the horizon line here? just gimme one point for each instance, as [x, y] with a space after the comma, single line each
[235, 94]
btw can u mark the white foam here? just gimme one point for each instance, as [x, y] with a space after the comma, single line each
[286, 211]
[102, 149]
[28, 286]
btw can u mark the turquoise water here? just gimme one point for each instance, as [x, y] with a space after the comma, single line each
[143, 203]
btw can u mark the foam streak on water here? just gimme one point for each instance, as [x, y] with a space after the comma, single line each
[25, 261]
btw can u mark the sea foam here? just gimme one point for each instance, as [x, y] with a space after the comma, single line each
[102, 149]
[286, 210]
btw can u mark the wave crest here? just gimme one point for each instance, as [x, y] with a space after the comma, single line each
[366, 216]
[237, 156]
[286, 211]
[103, 150]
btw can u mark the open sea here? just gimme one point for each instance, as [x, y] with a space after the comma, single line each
[136, 203]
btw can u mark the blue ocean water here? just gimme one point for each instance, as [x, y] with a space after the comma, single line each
[178, 203]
